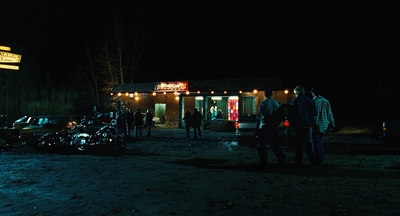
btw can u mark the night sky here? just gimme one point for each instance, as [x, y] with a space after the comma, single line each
[330, 43]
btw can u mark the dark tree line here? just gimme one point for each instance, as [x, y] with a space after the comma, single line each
[117, 57]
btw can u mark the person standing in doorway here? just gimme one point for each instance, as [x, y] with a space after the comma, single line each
[269, 116]
[323, 118]
[196, 123]
[187, 118]
[302, 111]
[220, 114]
[138, 121]
[149, 122]
[212, 112]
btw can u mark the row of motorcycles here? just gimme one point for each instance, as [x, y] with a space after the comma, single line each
[78, 137]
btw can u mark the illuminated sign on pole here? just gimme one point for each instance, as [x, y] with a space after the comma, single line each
[11, 67]
[5, 48]
[6, 57]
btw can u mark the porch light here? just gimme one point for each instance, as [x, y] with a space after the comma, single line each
[119, 94]
[187, 92]
[164, 93]
[126, 94]
[216, 98]
[225, 92]
[240, 92]
[286, 91]
[154, 94]
[212, 92]
[198, 92]
[136, 94]
[255, 91]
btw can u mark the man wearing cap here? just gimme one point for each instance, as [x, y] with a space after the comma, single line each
[323, 118]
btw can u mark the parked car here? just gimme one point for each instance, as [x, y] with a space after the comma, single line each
[91, 124]
[3, 121]
[23, 122]
[9, 135]
[390, 132]
[106, 117]
[54, 124]
[246, 129]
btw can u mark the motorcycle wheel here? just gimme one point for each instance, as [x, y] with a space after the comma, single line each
[81, 144]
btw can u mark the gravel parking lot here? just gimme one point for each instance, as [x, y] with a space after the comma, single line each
[168, 175]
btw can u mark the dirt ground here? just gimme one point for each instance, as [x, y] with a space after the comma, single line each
[168, 175]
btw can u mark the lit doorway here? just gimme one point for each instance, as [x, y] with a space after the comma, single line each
[159, 111]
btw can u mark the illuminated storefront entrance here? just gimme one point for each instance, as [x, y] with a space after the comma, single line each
[222, 100]
[226, 107]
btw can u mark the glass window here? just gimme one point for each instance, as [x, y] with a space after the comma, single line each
[233, 105]
[248, 105]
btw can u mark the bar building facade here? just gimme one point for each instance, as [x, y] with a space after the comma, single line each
[170, 100]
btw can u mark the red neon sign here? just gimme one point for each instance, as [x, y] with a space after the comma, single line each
[171, 86]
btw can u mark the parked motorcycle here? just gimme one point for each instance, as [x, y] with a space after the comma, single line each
[81, 139]
[106, 136]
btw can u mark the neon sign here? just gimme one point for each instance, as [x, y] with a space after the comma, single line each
[171, 86]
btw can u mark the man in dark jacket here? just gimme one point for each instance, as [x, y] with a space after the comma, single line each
[301, 116]
[187, 118]
[149, 122]
[121, 122]
[138, 121]
[196, 122]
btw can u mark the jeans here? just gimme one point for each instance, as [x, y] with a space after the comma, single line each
[138, 129]
[303, 140]
[269, 136]
[318, 146]
[148, 130]
[196, 129]
[187, 128]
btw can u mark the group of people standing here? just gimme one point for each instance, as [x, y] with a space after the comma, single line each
[129, 120]
[309, 118]
[193, 121]
[216, 113]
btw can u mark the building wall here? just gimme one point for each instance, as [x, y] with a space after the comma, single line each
[146, 101]
[172, 113]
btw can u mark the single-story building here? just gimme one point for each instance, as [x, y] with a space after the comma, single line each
[170, 100]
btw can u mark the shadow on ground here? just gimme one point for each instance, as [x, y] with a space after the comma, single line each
[290, 169]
